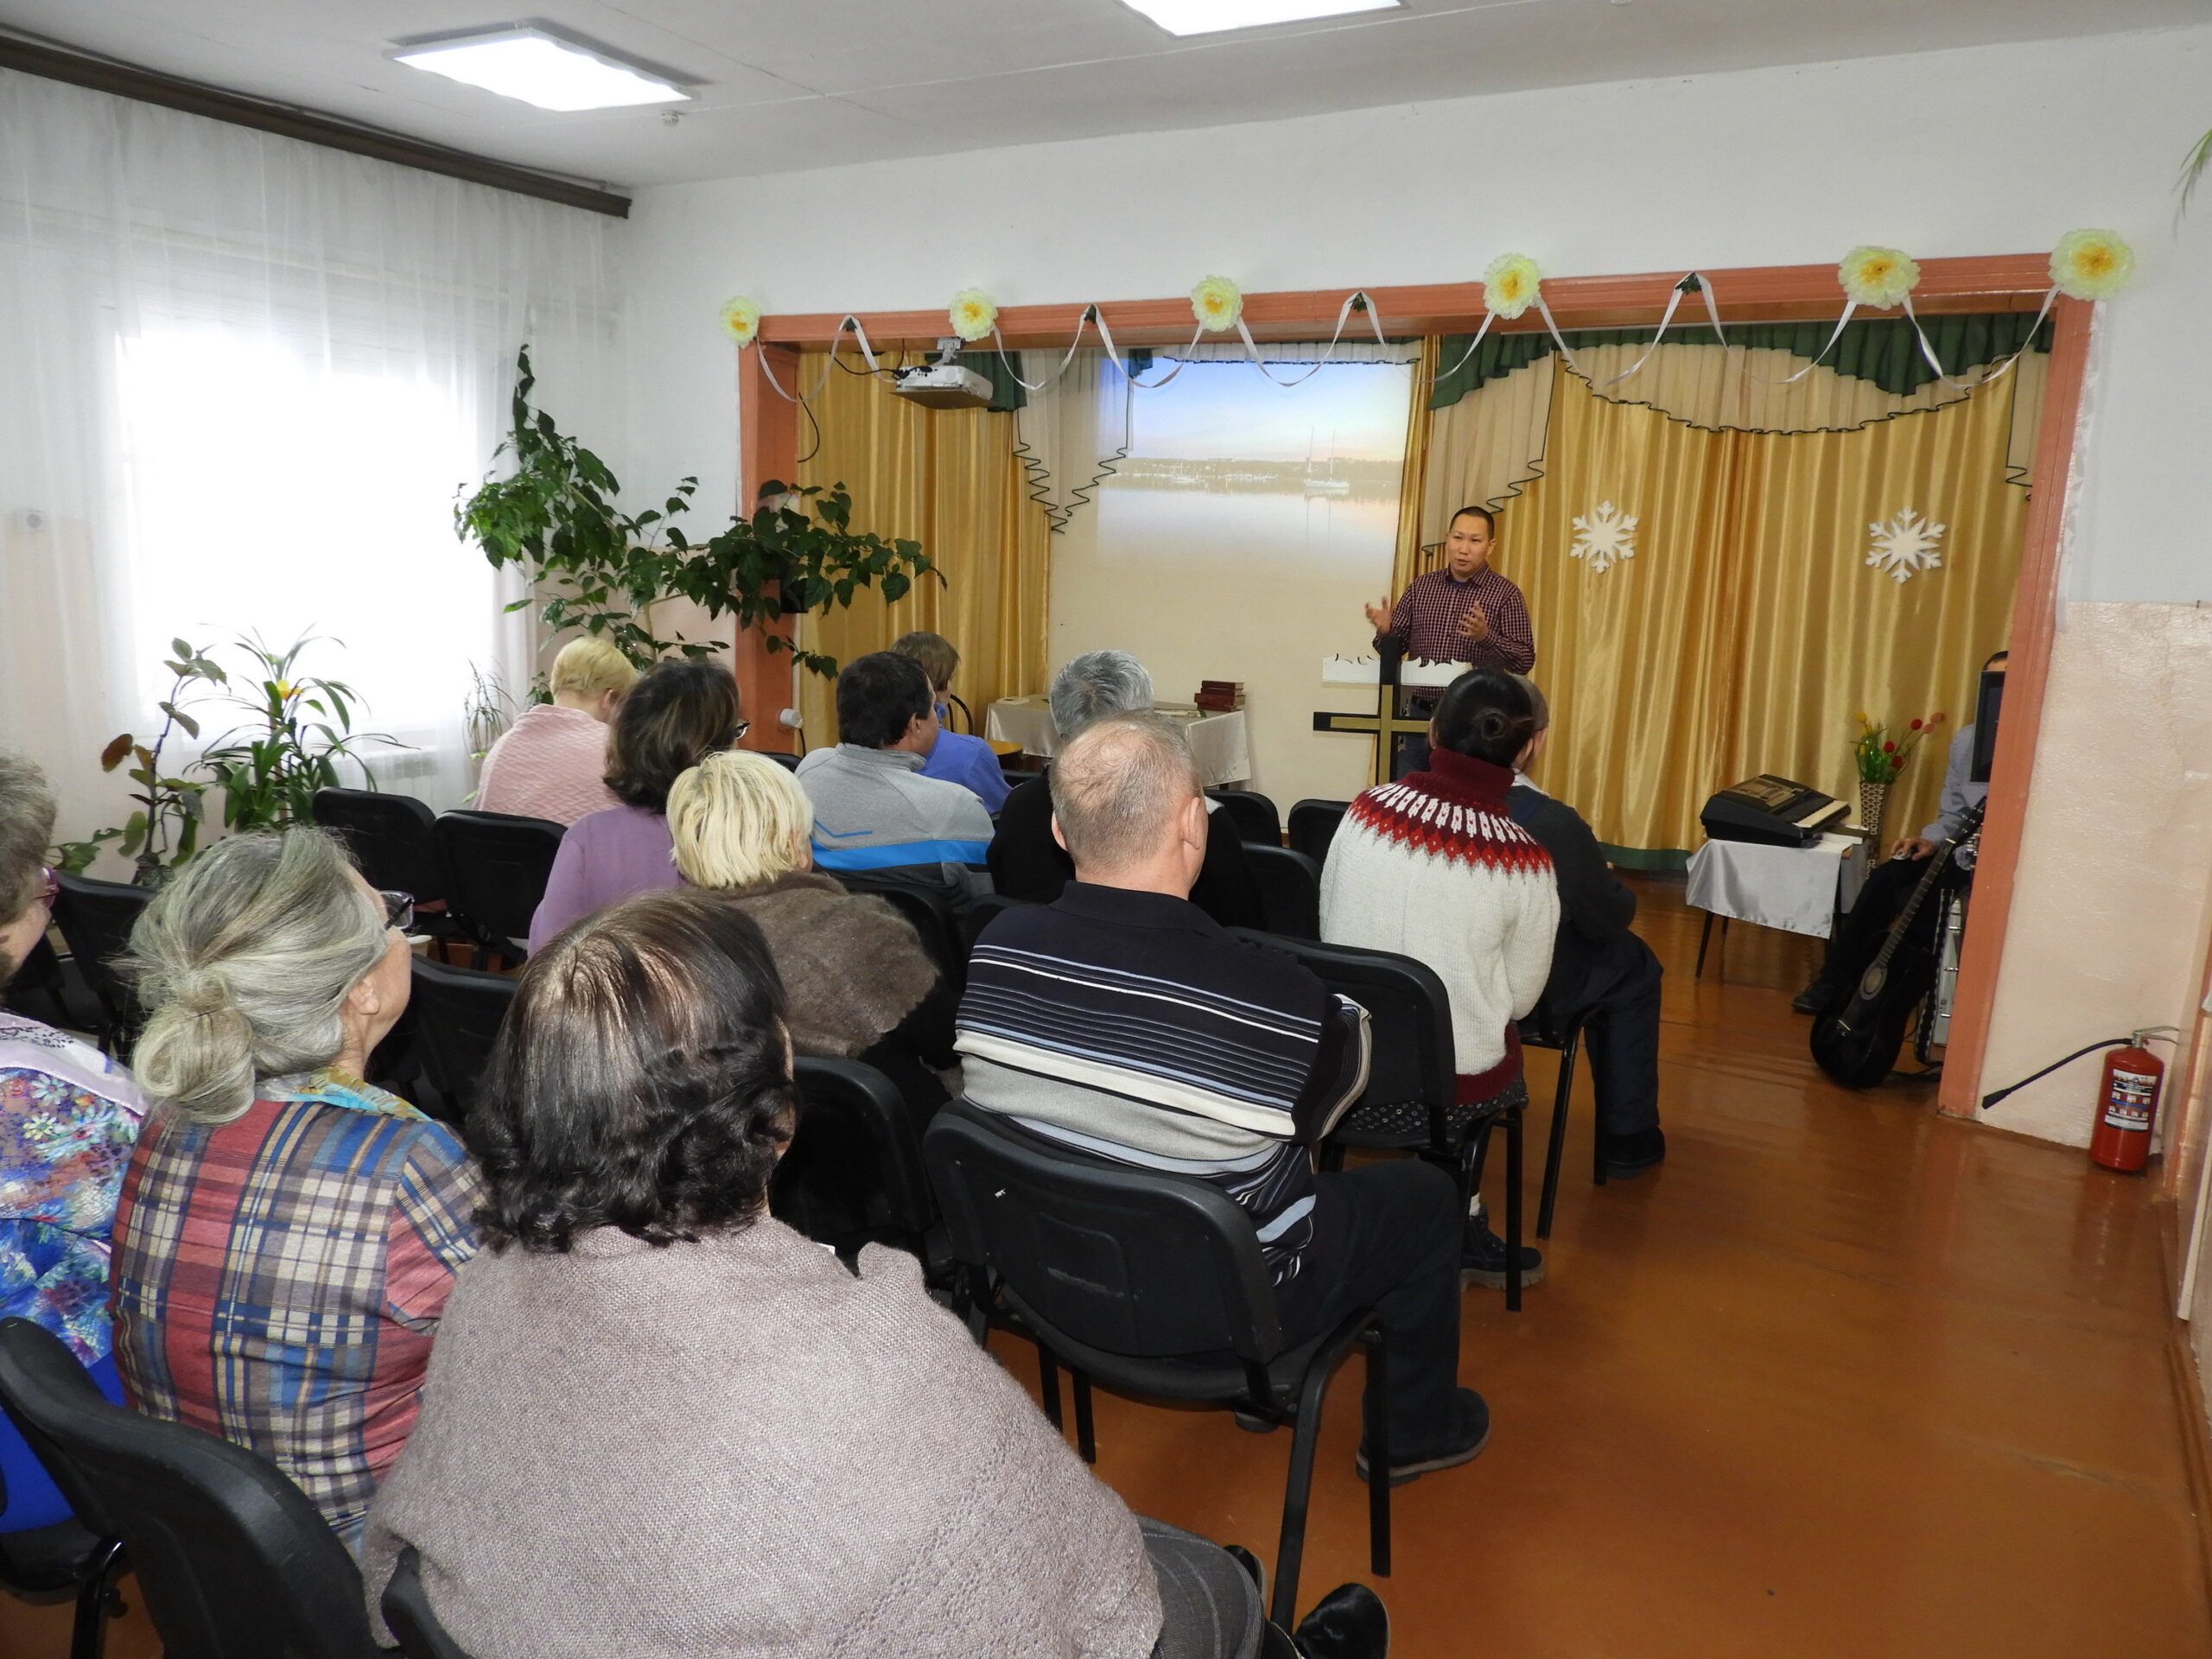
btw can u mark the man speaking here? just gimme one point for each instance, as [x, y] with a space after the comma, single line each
[1466, 612]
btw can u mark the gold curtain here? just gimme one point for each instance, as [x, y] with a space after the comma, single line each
[950, 480]
[1477, 452]
[1747, 628]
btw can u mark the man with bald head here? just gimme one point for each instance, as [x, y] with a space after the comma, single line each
[1123, 1021]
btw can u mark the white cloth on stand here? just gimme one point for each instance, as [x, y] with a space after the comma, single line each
[1797, 889]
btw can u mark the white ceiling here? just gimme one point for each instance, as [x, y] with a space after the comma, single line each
[786, 84]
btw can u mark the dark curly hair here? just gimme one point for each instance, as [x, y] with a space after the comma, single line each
[1489, 715]
[642, 1079]
[678, 714]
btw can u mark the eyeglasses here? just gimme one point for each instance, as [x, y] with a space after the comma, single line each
[399, 909]
[737, 733]
[49, 888]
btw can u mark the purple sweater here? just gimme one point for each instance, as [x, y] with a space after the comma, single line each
[605, 856]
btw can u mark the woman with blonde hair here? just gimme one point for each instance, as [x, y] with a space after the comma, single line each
[288, 1232]
[861, 986]
[551, 762]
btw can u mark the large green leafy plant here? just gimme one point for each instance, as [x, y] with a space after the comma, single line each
[297, 729]
[594, 566]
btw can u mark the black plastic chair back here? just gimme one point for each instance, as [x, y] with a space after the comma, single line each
[1313, 826]
[233, 1561]
[408, 1615]
[1254, 815]
[455, 1014]
[496, 869]
[1290, 890]
[853, 1173]
[96, 918]
[982, 914]
[392, 838]
[1101, 1260]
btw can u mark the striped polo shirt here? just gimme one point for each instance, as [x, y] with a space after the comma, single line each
[1131, 1026]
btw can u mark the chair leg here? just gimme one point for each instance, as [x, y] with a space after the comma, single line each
[1086, 1438]
[1704, 939]
[88, 1633]
[1513, 1212]
[1048, 1379]
[1378, 1450]
[1561, 1097]
[1297, 1491]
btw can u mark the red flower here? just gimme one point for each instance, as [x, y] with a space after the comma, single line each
[1889, 748]
[1916, 725]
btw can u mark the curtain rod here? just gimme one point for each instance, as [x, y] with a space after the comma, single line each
[150, 86]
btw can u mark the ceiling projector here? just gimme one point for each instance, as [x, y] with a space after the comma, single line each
[944, 384]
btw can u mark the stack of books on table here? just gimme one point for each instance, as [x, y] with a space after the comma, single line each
[1219, 696]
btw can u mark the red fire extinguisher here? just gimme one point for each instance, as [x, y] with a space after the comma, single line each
[2127, 1104]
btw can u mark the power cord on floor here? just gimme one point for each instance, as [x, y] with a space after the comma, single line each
[2168, 1033]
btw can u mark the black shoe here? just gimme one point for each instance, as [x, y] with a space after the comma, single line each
[1482, 1259]
[1349, 1623]
[1630, 1154]
[1815, 998]
[1471, 1432]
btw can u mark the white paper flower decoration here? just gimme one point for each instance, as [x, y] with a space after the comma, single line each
[740, 320]
[1510, 285]
[1877, 276]
[2091, 265]
[974, 313]
[1217, 303]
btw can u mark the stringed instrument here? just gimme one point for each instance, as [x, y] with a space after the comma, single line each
[1857, 1043]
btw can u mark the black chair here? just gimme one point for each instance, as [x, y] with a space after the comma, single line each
[496, 868]
[1290, 889]
[853, 1173]
[981, 914]
[407, 1612]
[96, 918]
[234, 1562]
[1254, 815]
[393, 838]
[1407, 1106]
[455, 1013]
[788, 762]
[1150, 1284]
[1544, 1028]
[1313, 826]
[930, 911]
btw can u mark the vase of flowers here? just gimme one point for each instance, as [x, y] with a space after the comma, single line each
[1879, 753]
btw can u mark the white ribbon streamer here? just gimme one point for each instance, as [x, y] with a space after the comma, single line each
[1466, 357]
[850, 324]
[1114, 357]
[1927, 351]
[1637, 367]
[1343, 314]
[1090, 315]
[1557, 339]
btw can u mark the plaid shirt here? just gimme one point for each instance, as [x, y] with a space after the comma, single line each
[1426, 622]
[279, 1279]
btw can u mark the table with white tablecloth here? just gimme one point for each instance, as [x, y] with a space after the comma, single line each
[1798, 889]
[1221, 744]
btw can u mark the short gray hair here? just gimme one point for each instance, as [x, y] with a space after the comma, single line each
[244, 961]
[1116, 787]
[1095, 684]
[26, 825]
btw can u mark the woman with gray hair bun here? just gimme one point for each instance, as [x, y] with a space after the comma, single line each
[288, 1232]
[68, 1116]
[1027, 859]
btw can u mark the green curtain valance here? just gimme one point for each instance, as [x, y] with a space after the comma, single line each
[1881, 349]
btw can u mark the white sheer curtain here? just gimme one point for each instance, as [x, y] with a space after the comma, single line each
[244, 379]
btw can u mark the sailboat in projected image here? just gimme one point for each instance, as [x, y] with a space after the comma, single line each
[1325, 483]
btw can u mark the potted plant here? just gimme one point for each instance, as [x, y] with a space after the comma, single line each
[164, 831]
[297, 731]
[1879, 757]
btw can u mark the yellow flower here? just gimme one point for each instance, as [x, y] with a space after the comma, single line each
[1510, 285]
[284, 688]
[740, 320]
[1217, 303]
[1877, 276]
[2091, 265]
[973, 314]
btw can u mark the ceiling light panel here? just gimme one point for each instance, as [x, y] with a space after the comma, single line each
[1210, 16]
[541, 68]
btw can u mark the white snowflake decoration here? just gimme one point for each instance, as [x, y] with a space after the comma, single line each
[1906, 545]
[1605, 538]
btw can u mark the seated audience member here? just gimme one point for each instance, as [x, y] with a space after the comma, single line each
[1121, 1020]
[287, 1233]
[874, 812]
[1890, 882]
[772, 1453]
[676, 714]
[551, 762]
[1432, 868]
[1027, 862]
[68, 1116]
[957, 758]
[1602, 975]
[858, 983]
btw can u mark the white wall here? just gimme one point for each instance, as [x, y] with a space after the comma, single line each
[1992, 150]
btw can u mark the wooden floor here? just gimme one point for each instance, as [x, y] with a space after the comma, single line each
[1843, 1378]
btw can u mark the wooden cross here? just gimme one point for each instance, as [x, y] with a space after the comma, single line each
[1387, 724]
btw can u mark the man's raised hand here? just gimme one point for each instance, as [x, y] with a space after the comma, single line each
[1379, 615]
[1473, 624]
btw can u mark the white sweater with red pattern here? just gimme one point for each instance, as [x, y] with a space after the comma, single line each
[1432, 868]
